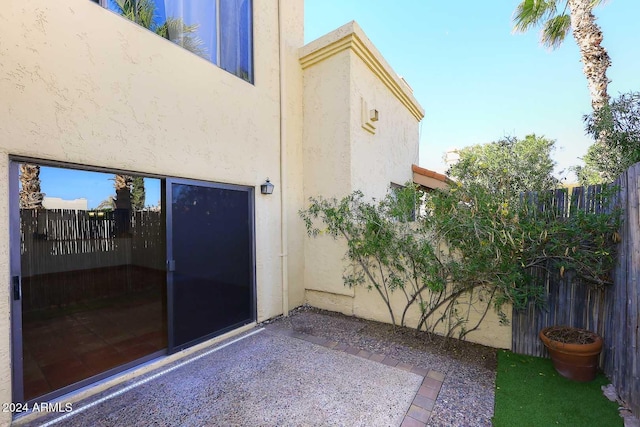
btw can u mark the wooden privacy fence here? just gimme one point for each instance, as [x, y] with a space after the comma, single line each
[57, 240]
[70, 257]
[613, 311]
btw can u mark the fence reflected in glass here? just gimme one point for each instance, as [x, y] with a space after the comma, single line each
[92, 255]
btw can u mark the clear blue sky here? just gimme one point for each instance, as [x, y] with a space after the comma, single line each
[72, 184]
[476, 80]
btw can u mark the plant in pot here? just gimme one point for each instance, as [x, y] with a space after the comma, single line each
[574, 351]
[584, 244]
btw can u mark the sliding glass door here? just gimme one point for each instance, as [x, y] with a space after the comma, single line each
[210, 254]
[110, 270]
[88, 275]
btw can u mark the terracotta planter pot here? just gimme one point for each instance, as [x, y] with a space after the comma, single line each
[578, 362]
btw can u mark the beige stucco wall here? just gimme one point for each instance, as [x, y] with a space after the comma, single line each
[367, 304]
[383, 157]
[342, 72]
[292, 27]
[327, 161]
[345, 77]
[83, 85]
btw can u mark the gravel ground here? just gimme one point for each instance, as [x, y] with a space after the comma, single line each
[467, 394]
[265, 379]
[233, 394]
[262, 378]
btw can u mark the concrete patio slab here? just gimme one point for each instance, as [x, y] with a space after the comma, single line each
[264, 379]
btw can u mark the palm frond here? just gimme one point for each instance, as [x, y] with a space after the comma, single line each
[146, 10]
[555, 30]
[177, 31]
[530, 13]
[142, 12]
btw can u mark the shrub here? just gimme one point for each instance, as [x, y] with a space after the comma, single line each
[463, 250]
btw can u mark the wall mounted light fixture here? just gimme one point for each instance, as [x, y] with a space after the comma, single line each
[368, 117]
[267, 187]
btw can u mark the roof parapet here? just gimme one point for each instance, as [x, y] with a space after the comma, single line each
[350, 36]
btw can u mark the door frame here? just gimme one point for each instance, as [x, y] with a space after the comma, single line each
[168, 191]
[17, 382]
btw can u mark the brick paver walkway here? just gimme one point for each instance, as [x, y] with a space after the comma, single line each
[420, 410]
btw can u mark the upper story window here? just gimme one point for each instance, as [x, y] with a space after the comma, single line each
[217, 30]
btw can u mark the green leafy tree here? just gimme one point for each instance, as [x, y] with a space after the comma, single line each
[558, 18]
[617, 129]
[602, 164]
[138, 193]
[507, 167]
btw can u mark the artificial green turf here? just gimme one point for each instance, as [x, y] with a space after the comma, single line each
[529, 392]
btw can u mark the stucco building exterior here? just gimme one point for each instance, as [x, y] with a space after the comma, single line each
[88, 94]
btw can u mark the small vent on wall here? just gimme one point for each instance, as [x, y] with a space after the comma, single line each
[368, 117]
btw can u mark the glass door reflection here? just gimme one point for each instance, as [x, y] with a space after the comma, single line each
[92, 264]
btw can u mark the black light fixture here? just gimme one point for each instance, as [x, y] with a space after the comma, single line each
[267, 187]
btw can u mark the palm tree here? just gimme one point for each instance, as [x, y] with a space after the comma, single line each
[122, 205]
[107, 204]
[31, 195]
[143, 13]
[122, 184]
[556, 23]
